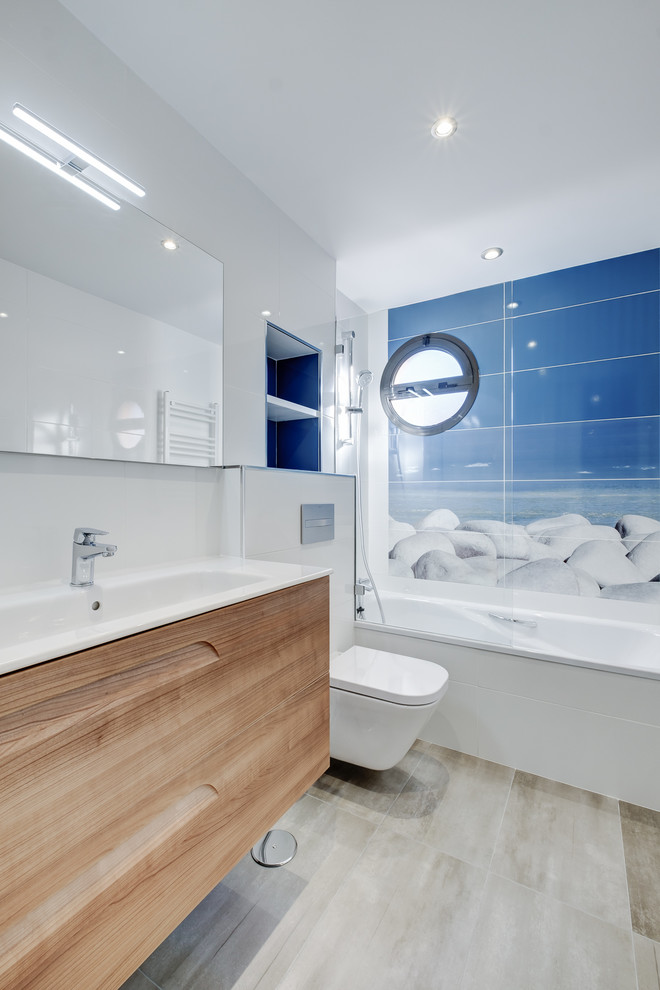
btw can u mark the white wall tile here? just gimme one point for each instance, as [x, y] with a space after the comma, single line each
[212, 511]
[44, 499]
[272, 500]
[244, 426]
[317, 267]
[227, 511]
[612, 756]
[589, 689]
[272, 507]
[454, 723]
[153, 512]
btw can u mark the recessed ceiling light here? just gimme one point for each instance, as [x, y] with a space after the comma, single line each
[512, 305]
[3, 316]
[444, 127]
[121, 352]
[266, 312]
[491, 253]
[169, 244]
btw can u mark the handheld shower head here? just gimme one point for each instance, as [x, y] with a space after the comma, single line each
[363, 379]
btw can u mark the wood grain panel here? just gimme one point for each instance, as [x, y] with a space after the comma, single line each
[141, 771]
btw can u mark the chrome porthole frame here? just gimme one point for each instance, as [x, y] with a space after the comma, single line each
[467, 381]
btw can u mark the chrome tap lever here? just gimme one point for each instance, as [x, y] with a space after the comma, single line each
[82, 534]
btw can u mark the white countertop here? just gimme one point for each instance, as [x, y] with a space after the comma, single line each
[52, 620]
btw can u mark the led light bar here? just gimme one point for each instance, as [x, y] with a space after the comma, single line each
[55, 166]
[76, 149]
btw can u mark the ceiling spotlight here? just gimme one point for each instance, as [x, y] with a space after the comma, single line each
[444, 127]
[491, 253]
[266, 312]
[512, 305]
[3, 316]
[169, 244]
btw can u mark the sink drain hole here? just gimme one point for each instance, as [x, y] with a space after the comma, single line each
[96, 606]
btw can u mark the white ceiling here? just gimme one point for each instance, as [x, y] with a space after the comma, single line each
[326, 105]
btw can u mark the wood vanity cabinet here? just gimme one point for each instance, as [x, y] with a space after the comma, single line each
[135, 775]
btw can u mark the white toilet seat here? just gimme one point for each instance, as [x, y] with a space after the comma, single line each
[388, 676]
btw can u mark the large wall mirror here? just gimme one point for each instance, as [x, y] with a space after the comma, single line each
[110, 345]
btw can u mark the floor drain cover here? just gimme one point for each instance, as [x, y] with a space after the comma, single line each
[277, 848]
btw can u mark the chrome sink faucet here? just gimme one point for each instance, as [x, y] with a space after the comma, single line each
[85, 551]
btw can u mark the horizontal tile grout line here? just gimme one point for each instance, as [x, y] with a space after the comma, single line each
[574, 707]
[567, 364]
[574, 422]
[522, 316]
[587, 479]
[520, 426]
[578, 364]
[558, 900]
[589, 302]
[463, 326]
[653, 480]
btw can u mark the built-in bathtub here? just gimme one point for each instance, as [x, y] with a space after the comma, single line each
[591, 641]
[590, 717]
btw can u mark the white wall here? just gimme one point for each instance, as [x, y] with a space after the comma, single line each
[50, 63]
[154, 513]
[271, 527]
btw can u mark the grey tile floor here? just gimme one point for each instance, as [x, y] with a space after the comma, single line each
[444, 873]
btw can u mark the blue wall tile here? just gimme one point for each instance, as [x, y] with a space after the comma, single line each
[615, 328]
[623, 387]
[472, 455]
[488, 407]
[485, 340]
[622, 276]
[447, 313]
[612, 449]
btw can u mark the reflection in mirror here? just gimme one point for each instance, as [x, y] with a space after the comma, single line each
[110, 345]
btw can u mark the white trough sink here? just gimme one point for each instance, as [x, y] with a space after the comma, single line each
[48, 621]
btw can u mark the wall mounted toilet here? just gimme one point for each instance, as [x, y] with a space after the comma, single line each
[379, 703]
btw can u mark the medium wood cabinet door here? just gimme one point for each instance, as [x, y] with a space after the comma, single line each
[134, 775]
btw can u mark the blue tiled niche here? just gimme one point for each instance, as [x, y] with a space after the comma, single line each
[568, 414]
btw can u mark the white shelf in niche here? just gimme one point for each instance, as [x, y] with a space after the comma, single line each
[280, 410]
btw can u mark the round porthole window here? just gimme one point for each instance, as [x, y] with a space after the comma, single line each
[429, 384]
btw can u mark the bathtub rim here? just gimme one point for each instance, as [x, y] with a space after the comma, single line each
[508, 649]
